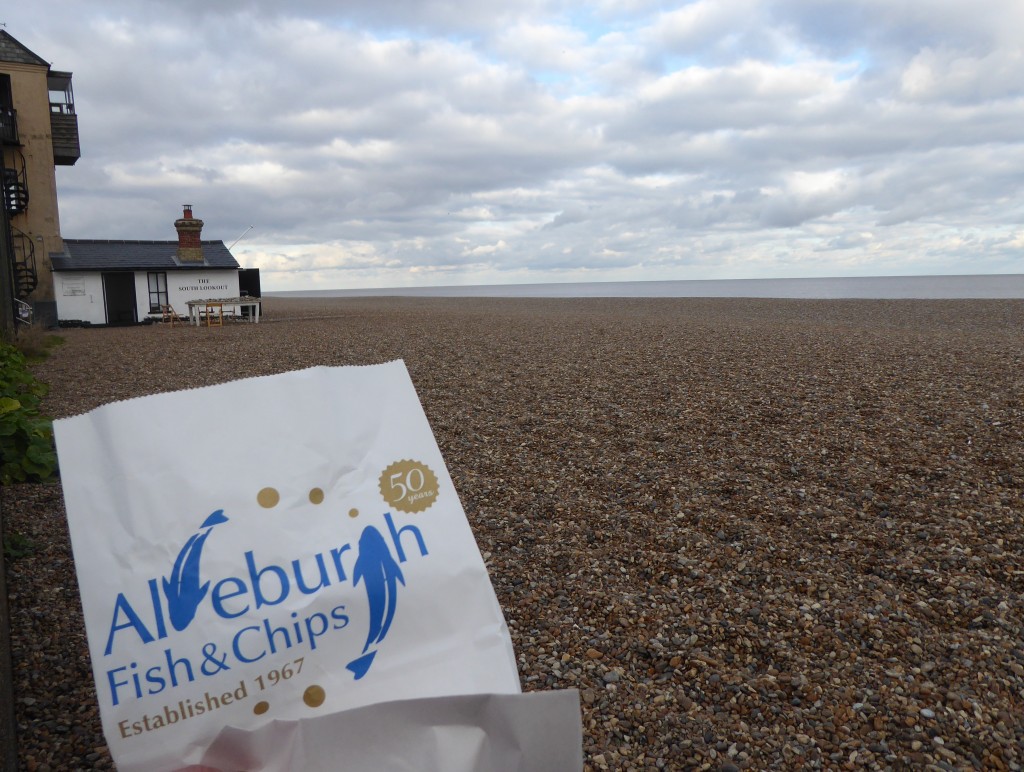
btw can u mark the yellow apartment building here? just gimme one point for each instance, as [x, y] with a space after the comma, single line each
[38, 131]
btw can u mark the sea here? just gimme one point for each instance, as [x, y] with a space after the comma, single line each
[989, 286]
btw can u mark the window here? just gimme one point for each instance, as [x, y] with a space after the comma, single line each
[157, 292]
[8, 115]
[6, 98]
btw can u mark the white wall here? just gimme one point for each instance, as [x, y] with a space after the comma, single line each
[183, 286]
[79, 297]
[80, 294]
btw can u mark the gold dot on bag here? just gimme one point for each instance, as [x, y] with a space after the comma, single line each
[268, 498]
[314, 696]
[316, 496]
[261, 707]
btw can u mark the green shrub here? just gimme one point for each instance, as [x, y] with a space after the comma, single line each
[17, 545]
[26, 438]
[35, 343]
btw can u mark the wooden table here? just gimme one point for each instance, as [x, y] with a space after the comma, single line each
[197, 307]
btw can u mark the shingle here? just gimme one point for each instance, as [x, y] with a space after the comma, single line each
[13, 51]
[101, 255]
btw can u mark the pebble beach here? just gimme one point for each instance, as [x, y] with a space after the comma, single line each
[754, 534]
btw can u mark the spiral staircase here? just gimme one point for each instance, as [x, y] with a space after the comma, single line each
[14, 186]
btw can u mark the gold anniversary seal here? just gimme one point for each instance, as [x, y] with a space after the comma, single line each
[408, 486]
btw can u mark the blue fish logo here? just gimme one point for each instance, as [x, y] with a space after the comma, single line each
[182, 589]
[380, 575]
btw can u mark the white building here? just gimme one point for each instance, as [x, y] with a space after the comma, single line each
[125, 282]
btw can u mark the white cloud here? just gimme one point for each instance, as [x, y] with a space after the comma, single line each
[471, 142]
[958, 76]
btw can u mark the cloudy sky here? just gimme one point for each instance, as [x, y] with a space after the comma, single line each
[392, 143]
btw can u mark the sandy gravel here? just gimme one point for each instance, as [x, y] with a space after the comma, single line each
[754, 534]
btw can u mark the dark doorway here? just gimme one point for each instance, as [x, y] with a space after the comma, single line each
[119, 296]
[249, 282]
[248, 286]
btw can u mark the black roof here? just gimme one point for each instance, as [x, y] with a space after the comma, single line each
[102, 255]
[13, 51]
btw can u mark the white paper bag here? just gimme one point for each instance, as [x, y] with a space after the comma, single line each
[275, 549]
[535, 732]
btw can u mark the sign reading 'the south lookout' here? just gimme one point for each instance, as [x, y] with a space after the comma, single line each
[237, 571]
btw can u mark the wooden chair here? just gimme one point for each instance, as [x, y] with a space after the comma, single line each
[170, 315]
[210, 315]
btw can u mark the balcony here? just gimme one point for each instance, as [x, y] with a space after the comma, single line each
[63, 120]
[64, 130]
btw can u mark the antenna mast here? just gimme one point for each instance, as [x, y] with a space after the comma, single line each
[240, 237]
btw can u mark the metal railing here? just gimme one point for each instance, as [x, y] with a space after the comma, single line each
[14, 183]
[22, 312]
[23, 264]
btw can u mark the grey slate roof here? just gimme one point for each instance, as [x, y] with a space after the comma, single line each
[101, 255]
[13, 51]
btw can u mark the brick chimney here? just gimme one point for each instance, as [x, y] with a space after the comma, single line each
[190, 244]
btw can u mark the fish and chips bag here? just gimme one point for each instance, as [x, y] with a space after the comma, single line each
[277, 569]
